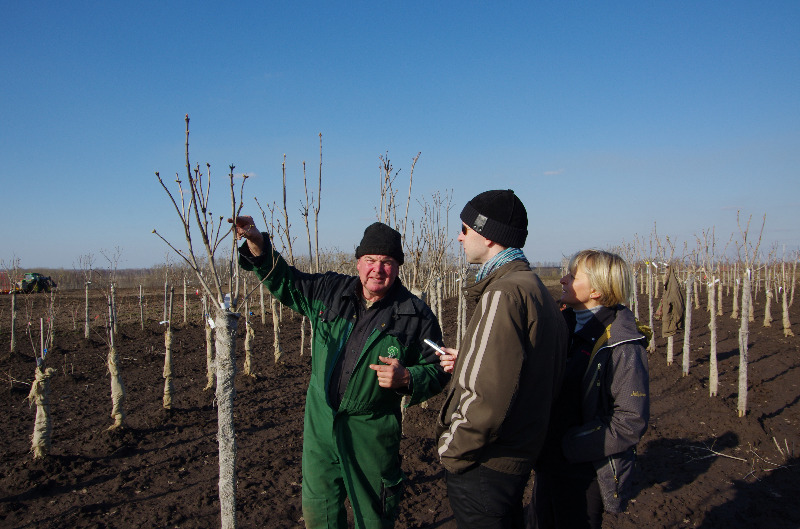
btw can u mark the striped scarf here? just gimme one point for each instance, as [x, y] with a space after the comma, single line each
[506, 256]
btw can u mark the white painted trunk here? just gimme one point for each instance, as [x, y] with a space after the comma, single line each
[744, 336]
[687, 325]
[713, 372]
[167, 374]
[439, 298]
[13, 322]
[696, 296]
[651, 348]
[768, 308]
[261, 296]
[141, 307]
[210, 361]
[226, 323]
[458, 320]
[787, 325]
[670, 350]
[248, 349]
[86, 314]
[276, 330]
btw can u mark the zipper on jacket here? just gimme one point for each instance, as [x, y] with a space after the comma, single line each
[614, 473]
[587, 432]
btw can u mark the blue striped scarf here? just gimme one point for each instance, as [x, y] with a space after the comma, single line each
[506, 256]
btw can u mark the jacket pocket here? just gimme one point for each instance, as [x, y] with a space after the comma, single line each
[615, 479]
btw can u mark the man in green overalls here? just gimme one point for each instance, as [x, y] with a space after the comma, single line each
[367, 353]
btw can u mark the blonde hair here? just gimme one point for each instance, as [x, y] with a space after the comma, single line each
[608, 273]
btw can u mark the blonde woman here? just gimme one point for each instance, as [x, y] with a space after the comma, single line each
[603, 407]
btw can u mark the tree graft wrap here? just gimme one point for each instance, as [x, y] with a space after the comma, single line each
[117, 391]
[226, 323]
[42, 427]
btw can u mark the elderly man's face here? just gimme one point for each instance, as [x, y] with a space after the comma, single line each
[377, 274]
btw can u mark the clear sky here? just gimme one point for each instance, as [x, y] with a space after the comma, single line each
[604, 117]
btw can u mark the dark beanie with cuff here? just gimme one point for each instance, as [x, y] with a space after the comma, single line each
[499, 216]
[380, 239]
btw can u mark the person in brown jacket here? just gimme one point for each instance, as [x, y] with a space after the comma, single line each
[494, 419]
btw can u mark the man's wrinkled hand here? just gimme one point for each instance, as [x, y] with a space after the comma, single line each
[392, 375]
[245, 228]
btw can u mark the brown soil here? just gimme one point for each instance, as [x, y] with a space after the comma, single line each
[702, 465]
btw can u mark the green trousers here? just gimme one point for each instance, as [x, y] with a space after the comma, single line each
[352, 455]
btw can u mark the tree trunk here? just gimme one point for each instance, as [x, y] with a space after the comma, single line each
[51, 310]
[656, 290]
[439, 296]
[464, 316]
[42, 428]
[459, 331]
[248, 348]
[651, 348]
[687, 324]
[670, 350]
[226, 323]
[114, 308]
[744, 336]
[302, 335]
[167, 400]
[141, 307]
[117, 390]
[713, 373]
[768, 308]
[719, 300]
[210, 368]
[696, 296]
[787, 325]
[166, 294]
[735, 311]
[117, 387]
[13, 321]
[263, 312]
[276, 329]
[185, 307]
[86, 314]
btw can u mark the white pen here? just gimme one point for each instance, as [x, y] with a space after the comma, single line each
[438, 349]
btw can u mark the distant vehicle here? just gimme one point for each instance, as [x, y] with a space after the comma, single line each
[35, 282]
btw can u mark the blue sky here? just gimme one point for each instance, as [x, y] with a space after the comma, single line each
[604, 117]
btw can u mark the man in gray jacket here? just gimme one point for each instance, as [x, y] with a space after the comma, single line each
[494, 419]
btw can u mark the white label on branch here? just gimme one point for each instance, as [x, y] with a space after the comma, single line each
[226, 304]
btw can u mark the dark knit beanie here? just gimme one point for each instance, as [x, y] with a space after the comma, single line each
[498, 216]
[380, 239]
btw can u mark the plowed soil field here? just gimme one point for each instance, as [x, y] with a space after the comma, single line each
[702, 465]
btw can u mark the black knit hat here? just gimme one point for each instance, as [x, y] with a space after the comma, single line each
[498, 216]
[380, 239]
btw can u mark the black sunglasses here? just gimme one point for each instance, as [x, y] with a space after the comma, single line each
[464, 229]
